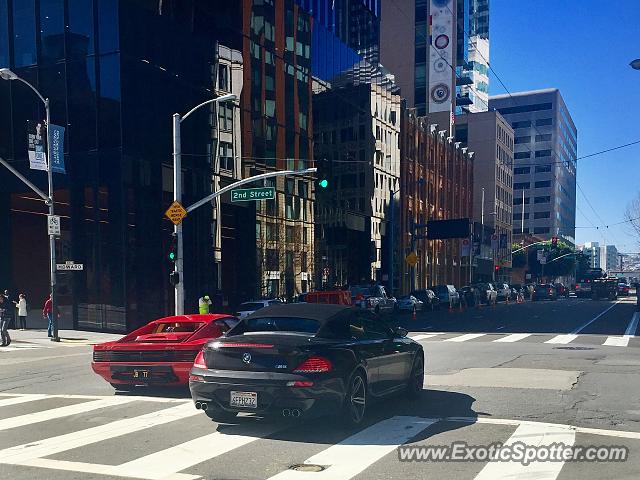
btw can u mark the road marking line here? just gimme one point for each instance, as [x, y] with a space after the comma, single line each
[629, 333]
[464, 338]
[62, 443]
[514, 337]
[15, 348]
[562, 339]
[354, 454]
[582, 327]
[45, 415]
[417, 338]
[538, 435]
[168, 462]
[16, 400]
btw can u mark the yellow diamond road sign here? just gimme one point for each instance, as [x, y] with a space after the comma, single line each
[176, 213]
[412, 259]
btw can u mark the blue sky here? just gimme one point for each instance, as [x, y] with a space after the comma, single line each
[582, 47]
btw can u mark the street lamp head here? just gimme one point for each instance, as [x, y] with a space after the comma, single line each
[6, 74]
[635, 64]
[227, 98]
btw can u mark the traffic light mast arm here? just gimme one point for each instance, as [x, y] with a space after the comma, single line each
[282, 173]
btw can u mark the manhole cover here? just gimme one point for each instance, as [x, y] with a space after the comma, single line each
[305, 467]
[573, 348]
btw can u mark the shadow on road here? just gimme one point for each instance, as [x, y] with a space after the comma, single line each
[156, 392]
[431, 404]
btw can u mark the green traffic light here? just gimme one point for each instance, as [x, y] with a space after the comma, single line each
[323, 183]
[172, 256]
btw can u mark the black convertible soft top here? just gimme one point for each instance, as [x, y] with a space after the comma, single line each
[312, 311]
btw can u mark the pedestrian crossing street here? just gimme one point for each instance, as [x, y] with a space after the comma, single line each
[168, 439]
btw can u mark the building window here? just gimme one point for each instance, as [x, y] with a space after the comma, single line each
[543, 168]
[271, 231]
[226, 156]
[526, 108]
[541, 230]
[521, 170]
[290, 234]
[543, 153]
[521, 155]
[543, 122]
[542, 215]
[223, 78]
[543, 138]
[225, 117]
[524, 124]
[543, 184]
[518, 216]
[521, 185]
[271, 259]
[303, 261]
[524, 139]
[545, 199]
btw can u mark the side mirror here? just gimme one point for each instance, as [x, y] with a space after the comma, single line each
[401, 332]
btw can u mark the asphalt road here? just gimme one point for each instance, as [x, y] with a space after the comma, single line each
[538, 373]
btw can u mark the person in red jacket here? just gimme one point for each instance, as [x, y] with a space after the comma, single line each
[47, 312]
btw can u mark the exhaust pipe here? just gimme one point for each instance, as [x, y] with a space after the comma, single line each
[203, 406]
[295, 413]
[198, 406]
[286, 412]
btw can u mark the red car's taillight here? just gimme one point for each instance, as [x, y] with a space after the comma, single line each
[314, 365]
[199, 360]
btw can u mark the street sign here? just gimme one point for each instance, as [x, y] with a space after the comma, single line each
[465, 248]
[412, 259]
[176, 213]
[251, 194]
[543, 261]
[53, 224]
[539, 254]
[69, 266]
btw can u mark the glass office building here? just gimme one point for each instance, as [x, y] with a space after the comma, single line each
[115, 72]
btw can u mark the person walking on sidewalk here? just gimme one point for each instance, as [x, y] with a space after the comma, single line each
[203, 304]
[22, 311]
[47, 312]
[4, 321]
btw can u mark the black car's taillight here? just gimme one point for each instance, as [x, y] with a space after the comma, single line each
[199, 360]
[314, 365]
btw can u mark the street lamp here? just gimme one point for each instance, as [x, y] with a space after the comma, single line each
[6, 74]
[177, 195]
[635, 64]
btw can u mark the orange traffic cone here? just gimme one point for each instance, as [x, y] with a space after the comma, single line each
[413, 315]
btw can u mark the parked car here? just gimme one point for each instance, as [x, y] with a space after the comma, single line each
[503, 291]
[604, 288]
[562, 290]
[303, 360]
[159, 353]
[488, 294]
[623, 289]
[407, 303]
[372, 297]
[470, 295]
[447, 295]
[247, 308]
[545, 291]
[428, 298]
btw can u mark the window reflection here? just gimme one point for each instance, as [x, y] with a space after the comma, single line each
[24, 33]
[80, 37]
[51, 30]
[4, 34]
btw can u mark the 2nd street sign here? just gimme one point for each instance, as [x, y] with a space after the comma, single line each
[251, 194]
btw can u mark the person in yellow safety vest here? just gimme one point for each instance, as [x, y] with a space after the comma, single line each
[203, 304]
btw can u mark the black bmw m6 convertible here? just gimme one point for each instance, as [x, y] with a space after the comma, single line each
[305, 359]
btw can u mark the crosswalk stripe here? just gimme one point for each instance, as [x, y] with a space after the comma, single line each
[417, 338]
[62, 443]
[514, 337]
[17, 400]
[562, 339]
[359, 451]
[45, 415]
[464, 338]
[617, 341]
[536, 435]
[15, 348]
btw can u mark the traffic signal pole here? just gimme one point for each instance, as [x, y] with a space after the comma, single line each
[177, 229]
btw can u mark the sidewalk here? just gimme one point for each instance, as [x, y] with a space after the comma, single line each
[77, 337]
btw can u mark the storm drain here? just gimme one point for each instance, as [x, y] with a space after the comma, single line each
[307, 467]
[573, 348]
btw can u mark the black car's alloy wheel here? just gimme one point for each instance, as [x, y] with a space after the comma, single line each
[416, 380]
[356, 400]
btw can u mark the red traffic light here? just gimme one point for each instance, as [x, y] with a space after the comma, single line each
[497, 268]
[554, 241]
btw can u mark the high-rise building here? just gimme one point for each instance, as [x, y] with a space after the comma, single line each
[490, 137]
[609, 258]
[545, 153]
[478, 54]
[591, 251]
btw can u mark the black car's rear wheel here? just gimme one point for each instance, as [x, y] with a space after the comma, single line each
[355, 402]
[416, 380]
[220, 416]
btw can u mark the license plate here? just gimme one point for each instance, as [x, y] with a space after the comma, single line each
[141, 374]
[244, 399]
